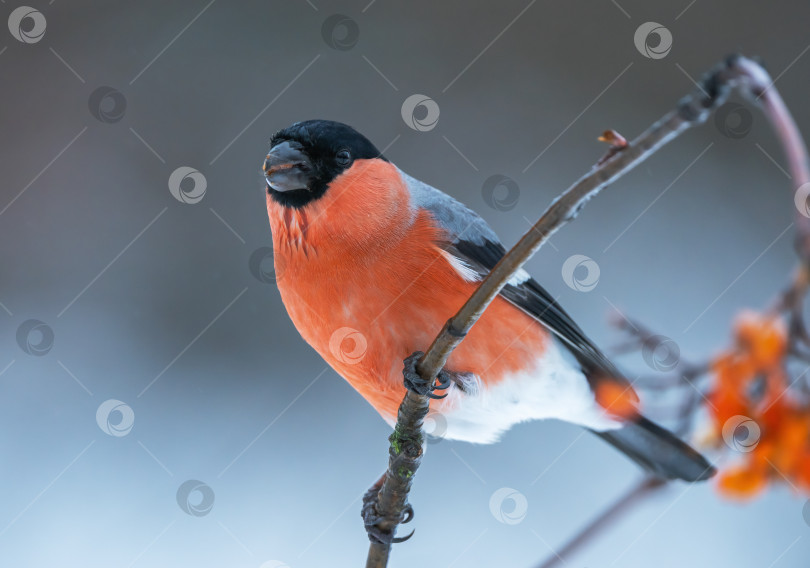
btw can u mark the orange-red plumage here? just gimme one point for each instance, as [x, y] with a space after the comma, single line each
[356, 259]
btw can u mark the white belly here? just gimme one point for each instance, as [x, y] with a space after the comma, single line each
[555, 388]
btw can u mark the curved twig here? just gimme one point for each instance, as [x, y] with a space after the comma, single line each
[636, 494]
[404, 457]
[736, 72]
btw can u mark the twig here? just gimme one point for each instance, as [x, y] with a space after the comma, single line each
[680, 372]
[735, 72]
[791, 300]
[404, 457]
[683, 375]
[639, 492]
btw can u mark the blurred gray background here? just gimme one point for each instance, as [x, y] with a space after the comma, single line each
[152, 301]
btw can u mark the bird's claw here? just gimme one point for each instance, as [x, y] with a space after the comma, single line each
[414, 381]
[372, 518]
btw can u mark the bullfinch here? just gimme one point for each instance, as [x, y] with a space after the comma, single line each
[371, 263]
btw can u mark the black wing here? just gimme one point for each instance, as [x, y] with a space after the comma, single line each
[533, 299]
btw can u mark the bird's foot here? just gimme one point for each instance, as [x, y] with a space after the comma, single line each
[372, 519]
[414, 381]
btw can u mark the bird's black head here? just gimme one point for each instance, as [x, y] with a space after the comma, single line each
[305, 157]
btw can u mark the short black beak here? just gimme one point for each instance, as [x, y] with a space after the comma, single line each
[287, 168]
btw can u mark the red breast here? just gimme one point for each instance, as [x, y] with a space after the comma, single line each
[366, 285]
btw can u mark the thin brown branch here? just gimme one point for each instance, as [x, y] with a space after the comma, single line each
[680, 372]
[636, 494]
[404, 457]
[760, 88]
[736, 72]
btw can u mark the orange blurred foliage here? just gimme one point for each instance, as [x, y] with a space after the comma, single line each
[749, 396]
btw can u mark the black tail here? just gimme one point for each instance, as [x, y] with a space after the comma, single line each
[659, 451]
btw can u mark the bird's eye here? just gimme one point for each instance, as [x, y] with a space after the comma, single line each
[343, 157]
